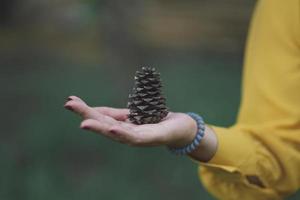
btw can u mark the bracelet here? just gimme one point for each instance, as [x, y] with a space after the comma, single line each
[196, 141]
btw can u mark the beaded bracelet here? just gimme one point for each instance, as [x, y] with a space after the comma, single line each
[196, 141]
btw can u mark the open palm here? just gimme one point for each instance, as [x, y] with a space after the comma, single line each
[176, 130]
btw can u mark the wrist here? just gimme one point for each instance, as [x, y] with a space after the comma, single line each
[195, 143]
[185, 136]
[187, 131]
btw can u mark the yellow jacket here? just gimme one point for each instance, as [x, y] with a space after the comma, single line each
[258, 158]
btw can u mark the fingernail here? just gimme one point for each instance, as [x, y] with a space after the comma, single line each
[69, 107]
[68, 99]
[85, 127]
[113, 132]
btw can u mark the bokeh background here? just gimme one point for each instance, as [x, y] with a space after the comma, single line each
[92, 48]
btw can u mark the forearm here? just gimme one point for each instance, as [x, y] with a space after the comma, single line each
[207, 147]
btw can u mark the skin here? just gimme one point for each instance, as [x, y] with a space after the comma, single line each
[176, 130]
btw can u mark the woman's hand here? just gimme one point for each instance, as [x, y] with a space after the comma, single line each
[176, 130]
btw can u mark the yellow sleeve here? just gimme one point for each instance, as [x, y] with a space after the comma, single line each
[259, 156]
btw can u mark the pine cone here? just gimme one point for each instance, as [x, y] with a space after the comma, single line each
[146, 103]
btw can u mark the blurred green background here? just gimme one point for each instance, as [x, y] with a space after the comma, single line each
[92, 48]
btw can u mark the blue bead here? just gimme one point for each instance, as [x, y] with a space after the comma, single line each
[188, 149]
[196, 142]
[198, 137]
[193, 146]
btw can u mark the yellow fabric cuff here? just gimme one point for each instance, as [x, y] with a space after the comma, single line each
[234, 149]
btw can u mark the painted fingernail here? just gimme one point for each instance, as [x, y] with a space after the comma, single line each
[69, 107]
[68, 99]
[114, 132]
[85, 127]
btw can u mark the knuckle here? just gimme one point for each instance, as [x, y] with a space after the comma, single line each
[84, 112]
[103, 109]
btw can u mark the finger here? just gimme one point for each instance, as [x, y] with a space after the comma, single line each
[116, 113]
[82, 109]
[105, 129]
[75, 98]
[95, 125]
[122, 132]
[126, 133]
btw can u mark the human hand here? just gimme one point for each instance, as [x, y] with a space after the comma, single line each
[176, 130]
